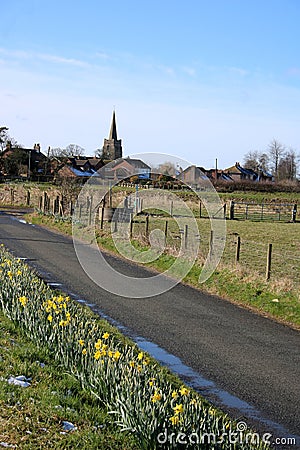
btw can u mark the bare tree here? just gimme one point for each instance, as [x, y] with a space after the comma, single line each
[263, 161]
[256, 160]
[250, 160]
[98, 153]
[3, 137]
[287, 166]
[276, 150]
[6, 139]
[72, 150]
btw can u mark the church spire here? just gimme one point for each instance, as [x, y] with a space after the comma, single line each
[113, 128]
[112, 147]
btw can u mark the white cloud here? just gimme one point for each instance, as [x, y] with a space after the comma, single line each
[189, 71]
[61, 60]
[238, 71]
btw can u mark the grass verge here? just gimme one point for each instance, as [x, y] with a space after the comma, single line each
[33, 417]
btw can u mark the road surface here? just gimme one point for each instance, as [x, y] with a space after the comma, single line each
[248, 356]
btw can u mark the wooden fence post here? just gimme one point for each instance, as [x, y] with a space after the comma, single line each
[27, 198]
[166, 231]
[211, 242]
[90, 213]
[12, 196]
[131, 225]
[269, 261]
[61, 208]
[45, 202]
[40, 203]
[294, 213]
[231, 210]
[200, 209]
[101, 217]
[171, 208]
[247, 211]
[147, 226]
[224, 210]
[238, 248]
[116, 223]
[186, 231]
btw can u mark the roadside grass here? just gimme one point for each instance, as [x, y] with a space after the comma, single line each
[32, 417]
[243, 282]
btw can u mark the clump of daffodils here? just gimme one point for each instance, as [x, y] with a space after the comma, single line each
[134, 389]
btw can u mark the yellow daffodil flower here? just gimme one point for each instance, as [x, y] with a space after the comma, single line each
[184, 391]
[156, 397]
[174, 420]
[178, 409]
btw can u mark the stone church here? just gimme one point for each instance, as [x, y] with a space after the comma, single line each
[112, 147]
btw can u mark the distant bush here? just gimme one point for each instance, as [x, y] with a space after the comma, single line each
[282, 186]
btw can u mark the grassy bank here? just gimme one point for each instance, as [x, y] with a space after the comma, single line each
[94, 366]
[34, 417]
[243, 283]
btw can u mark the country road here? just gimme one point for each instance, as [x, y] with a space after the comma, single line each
[248, 356]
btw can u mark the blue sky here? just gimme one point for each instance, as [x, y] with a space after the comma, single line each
[196, 79]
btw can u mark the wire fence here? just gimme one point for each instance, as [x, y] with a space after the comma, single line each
[281, 261]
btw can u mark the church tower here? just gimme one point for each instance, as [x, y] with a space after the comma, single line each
[112, 147]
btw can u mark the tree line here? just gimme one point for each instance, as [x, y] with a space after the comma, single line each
[281, 162]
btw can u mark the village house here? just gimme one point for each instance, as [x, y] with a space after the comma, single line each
[79, 167]
[127, 167]
[25, 162]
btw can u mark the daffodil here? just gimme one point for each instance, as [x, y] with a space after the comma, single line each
[156, 397]
[184, 391]
[98, 344]
[105, 335]
[178, 409]
[50, 318]
[97, 355]
[117, 355]
[151, 381]
[84, 351]
[81, 342]
[23, 301]
[174, 420]
[140, 356]
[174, 394]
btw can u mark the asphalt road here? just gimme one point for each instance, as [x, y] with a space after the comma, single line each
[248, 356]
